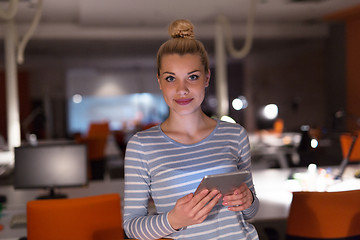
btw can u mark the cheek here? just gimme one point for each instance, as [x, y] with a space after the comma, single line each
[166, 92]
[200, 89]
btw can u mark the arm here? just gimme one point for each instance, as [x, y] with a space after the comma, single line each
[137, 223]
[244, 198]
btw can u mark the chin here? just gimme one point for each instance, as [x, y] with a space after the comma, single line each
[186, 111]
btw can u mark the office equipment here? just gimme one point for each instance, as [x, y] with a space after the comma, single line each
[348, 140]
[18, 221]
[50, 166]
[324, 215]
[348, 148]
[86, 218]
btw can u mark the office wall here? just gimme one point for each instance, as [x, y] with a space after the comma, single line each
[110, 82]
[290, 72]
[350, 17]
[291, 75]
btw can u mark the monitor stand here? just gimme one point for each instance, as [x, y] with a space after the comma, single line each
[52, 195]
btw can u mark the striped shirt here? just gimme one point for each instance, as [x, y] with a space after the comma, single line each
[165, 170]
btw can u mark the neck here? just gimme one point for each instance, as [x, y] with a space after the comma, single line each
[188, 129]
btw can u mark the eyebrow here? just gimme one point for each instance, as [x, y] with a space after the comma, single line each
[188, 72]
[193, 72]
[168, 73]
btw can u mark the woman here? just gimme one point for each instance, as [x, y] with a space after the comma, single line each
[167, 162]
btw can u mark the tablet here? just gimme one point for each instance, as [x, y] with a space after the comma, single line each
[226, 183]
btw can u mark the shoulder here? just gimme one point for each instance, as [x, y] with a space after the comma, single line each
[231, 127]
[146, 136]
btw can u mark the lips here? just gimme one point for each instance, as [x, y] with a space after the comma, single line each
[183, 101]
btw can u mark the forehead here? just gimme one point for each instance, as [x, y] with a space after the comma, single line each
[176, 62]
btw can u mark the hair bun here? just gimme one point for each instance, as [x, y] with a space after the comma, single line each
[182, 29]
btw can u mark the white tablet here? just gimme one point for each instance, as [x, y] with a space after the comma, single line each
[226, 183]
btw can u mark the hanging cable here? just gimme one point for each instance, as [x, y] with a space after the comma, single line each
[11, 11]
[29, 33]
[249, 33]
[223, 40]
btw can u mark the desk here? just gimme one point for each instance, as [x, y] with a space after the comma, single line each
[273, 190]
[274, 146]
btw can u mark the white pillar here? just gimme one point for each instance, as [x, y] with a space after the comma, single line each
[12, 96]
[221, 72]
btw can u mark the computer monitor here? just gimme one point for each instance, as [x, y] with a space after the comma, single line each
[50, 166]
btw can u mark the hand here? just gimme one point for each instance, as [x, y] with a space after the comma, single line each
[193, 209]
[241, 199]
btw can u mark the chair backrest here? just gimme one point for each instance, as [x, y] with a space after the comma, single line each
[98, 130]
[345, 142]
[88, 218]
[324, 215]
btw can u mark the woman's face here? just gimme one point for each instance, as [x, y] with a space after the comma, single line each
[183, 81]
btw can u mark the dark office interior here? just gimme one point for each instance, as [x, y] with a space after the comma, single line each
[313, 79]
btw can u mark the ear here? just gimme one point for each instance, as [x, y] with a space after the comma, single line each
[158, 79]
[207, 81]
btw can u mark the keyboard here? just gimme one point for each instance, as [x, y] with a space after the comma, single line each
[18, 221]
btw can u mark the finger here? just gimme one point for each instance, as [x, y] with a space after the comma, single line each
[238, 193]
[239, 207]
[205, 210]
[201, 194]
[185, 199]
[238, 199]
[243, 187]
[206, 200]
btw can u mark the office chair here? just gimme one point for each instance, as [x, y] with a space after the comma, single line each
[324, 215]
[88, 218]
[96, 141]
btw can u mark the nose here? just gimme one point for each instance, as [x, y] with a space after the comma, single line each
[182, 88]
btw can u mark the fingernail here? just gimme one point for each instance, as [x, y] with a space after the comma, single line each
[205, 190]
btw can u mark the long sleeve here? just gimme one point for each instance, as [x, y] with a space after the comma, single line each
[137, 223]
[244, 163]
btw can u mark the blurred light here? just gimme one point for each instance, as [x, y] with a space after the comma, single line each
[314, 143]
[227, 119]
[305, 128]
[239, 103]
[211, 101]
[77, 98]
[287, 140]
[270, 111]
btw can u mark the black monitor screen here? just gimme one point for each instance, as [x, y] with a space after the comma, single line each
[50, 166]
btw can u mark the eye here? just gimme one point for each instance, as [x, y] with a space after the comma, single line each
[193, 77]
[169, 78]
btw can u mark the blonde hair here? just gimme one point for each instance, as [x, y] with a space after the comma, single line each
[182, 42]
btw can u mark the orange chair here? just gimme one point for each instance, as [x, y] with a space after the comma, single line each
[96, 140]
[345, 142]
[88, 218]
[324, 215]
